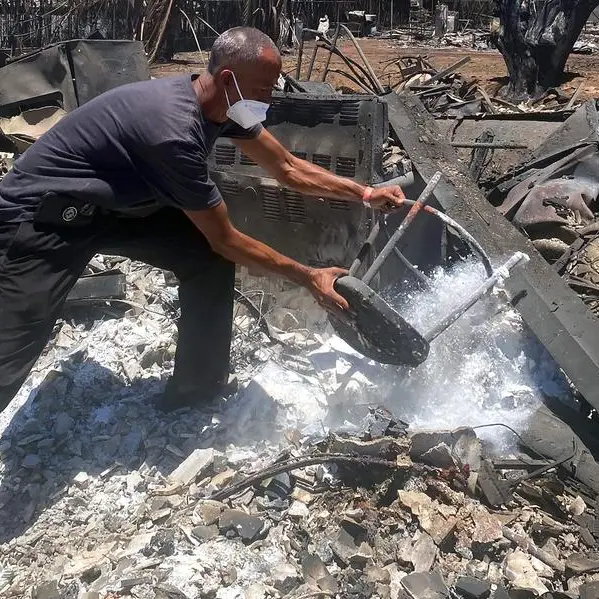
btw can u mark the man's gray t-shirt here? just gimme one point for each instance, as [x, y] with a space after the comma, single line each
[141, 144]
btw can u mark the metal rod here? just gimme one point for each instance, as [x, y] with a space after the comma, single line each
[496, 145]
[448, 70]
[418, 274]
[407, 221]
[483, 289]
[328, 62]
[312, 60]
[366, 247]
[195, 37]
[300, 54]
[463, 235]
[375, 79]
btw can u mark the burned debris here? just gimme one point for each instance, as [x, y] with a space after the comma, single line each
[329, 474]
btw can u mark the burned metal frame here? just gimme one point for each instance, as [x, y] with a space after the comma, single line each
[364, 76]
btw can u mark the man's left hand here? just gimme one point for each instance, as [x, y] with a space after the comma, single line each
[387, 199]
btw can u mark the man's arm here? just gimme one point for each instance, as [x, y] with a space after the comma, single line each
[233, 245]
[310, 179]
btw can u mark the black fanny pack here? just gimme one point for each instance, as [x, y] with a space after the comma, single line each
[65, 212]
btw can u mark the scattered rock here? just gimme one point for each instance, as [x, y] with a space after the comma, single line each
[423, 553]
[31, 461]
[47, 590]
[162, 543]
[519, 570]
[222, 479]
[63, 424]
[352, 551]
[284, 577]
[202, 533]
[377, 574]
[589, 590]
[472, 588]
[81, 480]
[427, 511]
[583, 563]
[315, 573]
[192, 467]
[256, 591]
[210, 511]
[425, 585]
[439, 456]
[298, 510]
[423, 441]
[246, 526]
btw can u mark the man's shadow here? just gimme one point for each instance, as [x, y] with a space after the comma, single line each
[84, 418]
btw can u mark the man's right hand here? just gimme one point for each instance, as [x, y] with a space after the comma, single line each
[320, 284]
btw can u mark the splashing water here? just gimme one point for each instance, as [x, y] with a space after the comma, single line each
[484, 369]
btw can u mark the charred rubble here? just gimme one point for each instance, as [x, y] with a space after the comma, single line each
[322, 476]
[103, 497]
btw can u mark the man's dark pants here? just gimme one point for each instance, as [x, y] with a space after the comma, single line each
[39, 264]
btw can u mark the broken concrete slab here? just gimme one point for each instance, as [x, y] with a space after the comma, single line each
[315, 573]
[439, 456]
[284, 577]
[209, 510]
[487, 527]
[519, 570]
[203, 533]
[583, 563]
[425, 585]
[438, 526]
[351, 551]
[472, 588]
[192, 467]
[423, 553]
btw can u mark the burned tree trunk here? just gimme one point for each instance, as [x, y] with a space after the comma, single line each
[535, 39]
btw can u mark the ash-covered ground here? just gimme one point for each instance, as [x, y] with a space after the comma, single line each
[363, 486]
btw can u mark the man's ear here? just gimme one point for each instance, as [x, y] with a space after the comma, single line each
[225, 77]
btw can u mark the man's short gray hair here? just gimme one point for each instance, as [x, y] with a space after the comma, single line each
[239, 45]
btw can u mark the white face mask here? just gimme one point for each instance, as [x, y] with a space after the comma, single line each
[246, 113]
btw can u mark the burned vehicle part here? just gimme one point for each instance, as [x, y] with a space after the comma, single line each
[68, 74]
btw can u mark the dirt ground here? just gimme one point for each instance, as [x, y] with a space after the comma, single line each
[486, 66]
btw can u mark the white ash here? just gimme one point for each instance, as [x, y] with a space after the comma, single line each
[85, 459]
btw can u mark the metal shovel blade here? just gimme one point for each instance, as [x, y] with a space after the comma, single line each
[375, 329]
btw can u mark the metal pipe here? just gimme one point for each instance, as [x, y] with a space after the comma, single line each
[300, 54]
[464, 235]
[417, 273]
[350, 62]
[334, 44]
[496, 145]
[407, 221]
[366, 247]
[312, 60]
[482, 290]
[375, 79]
[403, 181]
